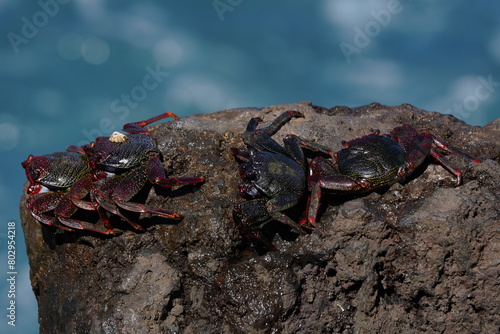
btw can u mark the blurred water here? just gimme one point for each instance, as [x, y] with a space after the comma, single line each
[72, 70]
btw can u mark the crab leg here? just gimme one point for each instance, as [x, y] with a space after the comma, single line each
[101, 194]
[333, 182]
[239, 154]
[156, 175]
[447, 164]
[415, 156]
[65, 209]
[292, 145]
[138, 127]
[280, 203]
[312, 146]
[75, 148]
[79, 190]
[129, 187]
[453, 150]
[249, 213]
[261, 140]
[38, 204]
[313, 205]
[280, 121]
[179, 181]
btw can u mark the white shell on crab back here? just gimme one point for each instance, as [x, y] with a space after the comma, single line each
[118, 137]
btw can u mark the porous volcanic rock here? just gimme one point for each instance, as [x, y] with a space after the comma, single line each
[419, 257]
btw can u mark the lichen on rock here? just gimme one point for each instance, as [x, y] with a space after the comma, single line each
[422, 256]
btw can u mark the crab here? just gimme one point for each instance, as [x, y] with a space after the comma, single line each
[132, 161]
[374, 161]
[273, 177]
[60, 182]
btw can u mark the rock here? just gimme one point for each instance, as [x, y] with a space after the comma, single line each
[423, 256]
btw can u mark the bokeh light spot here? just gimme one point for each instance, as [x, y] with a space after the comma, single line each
[167, 52]
[69, 46]
[9, 136]
[95, 51]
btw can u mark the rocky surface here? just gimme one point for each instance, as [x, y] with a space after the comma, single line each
[419, 257]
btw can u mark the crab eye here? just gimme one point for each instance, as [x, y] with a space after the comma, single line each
[36, 173]
[97, 157]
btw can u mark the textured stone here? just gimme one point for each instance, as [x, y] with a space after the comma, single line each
[422, 256]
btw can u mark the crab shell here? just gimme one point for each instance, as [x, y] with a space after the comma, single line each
[55, 171]
[114, 155]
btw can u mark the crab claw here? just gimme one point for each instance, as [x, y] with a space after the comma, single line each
[35, 168]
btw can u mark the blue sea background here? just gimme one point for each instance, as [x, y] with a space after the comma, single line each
[73, 70]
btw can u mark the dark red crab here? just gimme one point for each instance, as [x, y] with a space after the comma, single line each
[375, 161]
[132, 160]
[60, 182]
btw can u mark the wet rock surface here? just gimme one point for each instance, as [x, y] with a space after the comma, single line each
[422, 256]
